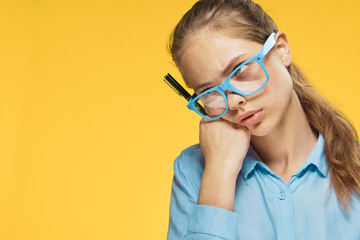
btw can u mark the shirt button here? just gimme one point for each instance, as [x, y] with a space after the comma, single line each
[282, 196]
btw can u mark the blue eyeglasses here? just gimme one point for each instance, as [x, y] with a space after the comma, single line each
[246, 79]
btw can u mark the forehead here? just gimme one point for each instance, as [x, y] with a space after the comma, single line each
[208, 54]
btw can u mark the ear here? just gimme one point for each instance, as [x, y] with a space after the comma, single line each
[282, 48]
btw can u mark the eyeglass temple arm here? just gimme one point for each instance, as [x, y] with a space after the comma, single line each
[269, 44]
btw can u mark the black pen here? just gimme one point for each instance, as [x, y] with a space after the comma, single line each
[181, 91]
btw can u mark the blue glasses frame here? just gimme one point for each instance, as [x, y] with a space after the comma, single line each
[268, 45]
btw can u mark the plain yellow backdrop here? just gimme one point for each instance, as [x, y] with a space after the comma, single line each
[89, 130]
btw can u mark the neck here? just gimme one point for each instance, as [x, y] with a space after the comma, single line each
[287, 147]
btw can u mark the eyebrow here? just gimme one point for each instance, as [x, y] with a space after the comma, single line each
[226, 71]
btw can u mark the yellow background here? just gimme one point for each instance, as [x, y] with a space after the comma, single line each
[89, 130]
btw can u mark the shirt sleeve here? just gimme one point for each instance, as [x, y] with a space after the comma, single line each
[189, 221]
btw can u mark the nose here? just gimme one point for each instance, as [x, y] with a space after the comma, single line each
[235, 100]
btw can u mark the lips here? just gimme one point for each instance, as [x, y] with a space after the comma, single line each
[250, 118]
[246, 115]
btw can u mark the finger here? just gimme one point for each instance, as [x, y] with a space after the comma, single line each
[203, 121]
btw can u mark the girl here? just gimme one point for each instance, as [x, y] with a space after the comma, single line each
[275, 159]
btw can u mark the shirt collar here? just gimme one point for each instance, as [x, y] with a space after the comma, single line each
[316, 158]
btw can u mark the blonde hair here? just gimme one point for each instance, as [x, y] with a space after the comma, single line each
[247, 19]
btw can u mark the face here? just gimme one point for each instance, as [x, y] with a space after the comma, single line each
[207, 56]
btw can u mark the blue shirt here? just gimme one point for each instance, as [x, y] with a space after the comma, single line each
[265, 207]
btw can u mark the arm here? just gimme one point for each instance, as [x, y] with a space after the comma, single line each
[189, 220]
[224, 146]
[217, 189]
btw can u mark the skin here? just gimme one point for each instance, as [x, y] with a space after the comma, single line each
[283, 138]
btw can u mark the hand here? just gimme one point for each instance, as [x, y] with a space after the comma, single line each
[224, 145]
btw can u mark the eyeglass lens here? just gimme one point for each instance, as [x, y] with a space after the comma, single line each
[249, 78]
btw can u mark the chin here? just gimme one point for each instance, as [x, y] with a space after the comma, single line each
[260, 129]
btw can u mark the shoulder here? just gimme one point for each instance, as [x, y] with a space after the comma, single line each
[355, 204]
[190, 164]
[191, 155]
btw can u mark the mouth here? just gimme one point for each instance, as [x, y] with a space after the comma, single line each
[250, 118]
[247, 117]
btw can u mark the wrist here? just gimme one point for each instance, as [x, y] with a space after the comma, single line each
[217, 189]
[223, 172]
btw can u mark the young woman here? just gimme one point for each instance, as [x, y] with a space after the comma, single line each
[275, 159]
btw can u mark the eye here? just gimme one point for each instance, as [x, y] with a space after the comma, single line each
[204, 91]
[241, 70]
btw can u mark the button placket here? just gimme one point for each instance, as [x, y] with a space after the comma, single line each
[282, 195]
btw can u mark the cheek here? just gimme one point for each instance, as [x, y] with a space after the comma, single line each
[279, 89]
[275, 100]
[276, 97]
